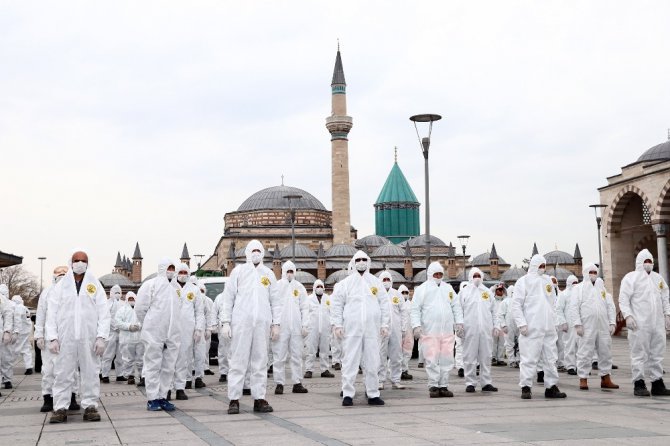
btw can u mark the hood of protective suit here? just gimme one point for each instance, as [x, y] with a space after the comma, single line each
[287, 266]
[254, 244]
[130, 294]
[17, 299]
[570, 282]
[588, 268]
[385, 275]
[163, 265]
[115, 293]
[641, 257]
[194, 280]
[433, 268]
[471, 274]
[535, 263]
[181, 268]
[402, 288]
[360, 255]
[462, 285]
[316, 284]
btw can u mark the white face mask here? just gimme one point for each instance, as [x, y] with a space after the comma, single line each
[593, 277]
[182, 278]
[256, 258]
[79, 267]
[648, 267]
[387, 285]
[361, 266]
[169, 275]
[131, 303]
[290, 276]
[319, 291]
[116, 296]
[437, 281]
[541, 271]
[477, 281]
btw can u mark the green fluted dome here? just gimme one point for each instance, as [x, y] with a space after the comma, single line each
[396, 208]
[396, 189]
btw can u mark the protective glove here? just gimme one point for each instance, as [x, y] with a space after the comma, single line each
[505, 329]
[274, 332]
[563, 327]
[54, 346]
[612, 329]
[99, 347]
[6, 338]
[197, 336]
[226, 332]
[667, 322]
[304, 332]
[134, 327]
[579, 329]
[384, 332]
[208, 334]
[338, 332]
[40, 343]
[631, 324]
[496, 332]
[523, 331]
[460, 330]
[418, 332]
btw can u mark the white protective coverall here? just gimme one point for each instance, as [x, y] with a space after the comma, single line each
[113, 349]
[319, 329]
[644, 296]
[479, 323]
[407, 336]
[390, 349]
[201, 355]
[294, 325]
[436, 309]
[22, 345]
[12, 325]
[567, 337]
[224, 343]
[192, 323]
[533, 308]
[157, 310]
[335, 342]
[497, 342]
[76, 321]
[360, 310]
[508, 326]
[590, 310]
[47, 358]
[6, 323]
[132, 349]
[251, 304]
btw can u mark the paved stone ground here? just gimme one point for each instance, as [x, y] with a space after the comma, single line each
[409, 417]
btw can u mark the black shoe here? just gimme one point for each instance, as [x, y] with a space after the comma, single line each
[74, 405]
[279, 390]
[208, 372]
[658, 388]
[189, 385]
[337, 366]
[121, 378]
[308, 374]
[489, 388]
[494, 362]
[246, 391]
[360, 371]
[169, 396]
[8, 385]
[615, 367]
[405, 376]
[561, 369]
[446, 393]
[525, 393]
[270, 370]
[572, 372]
[376, 401]
[420, 365]
[540, 377]
[141, 383]
[181, 395]
[223, 378]
[29, 371]
[48, 404]
[594, 365]
[262, 406]
[327, 374]
[131, 380]
[470, 389]
[105, 380]
[434, 392]
[234, 407]
[640, 388]
[59, 416]
[501, 363]
[91, 414]
[347, 401]
[553, 392]
[199, 384]
[298, 388]
[461, 373]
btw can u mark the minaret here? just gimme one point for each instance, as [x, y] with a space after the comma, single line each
[137, 264]
[339, 125]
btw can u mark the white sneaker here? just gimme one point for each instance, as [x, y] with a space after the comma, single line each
[381, 386]
[398, 386]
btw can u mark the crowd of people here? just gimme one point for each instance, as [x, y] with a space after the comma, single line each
[160, 337]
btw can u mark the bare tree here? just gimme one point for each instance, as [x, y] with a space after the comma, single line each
[21, 282]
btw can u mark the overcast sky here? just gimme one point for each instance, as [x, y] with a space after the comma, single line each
[148, 121]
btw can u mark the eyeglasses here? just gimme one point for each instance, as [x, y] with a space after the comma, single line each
[405, 292]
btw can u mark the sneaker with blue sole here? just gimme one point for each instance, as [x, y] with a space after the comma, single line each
[166, 405]
[154, 405]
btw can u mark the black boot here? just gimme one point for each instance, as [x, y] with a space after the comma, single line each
[526, 393]
[189, 385]
[540, 377]
[48, 404]
[223, 378]
[405, 376]
[658, 388]
[199, 384]
[181, 395]
[640, 388]
[553, 392]
[141, 383]
[74, 405]
[29, 371]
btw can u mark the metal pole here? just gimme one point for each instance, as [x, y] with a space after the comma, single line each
[293, 234]
[465, 276]
[600, 250]
[41, 259]
[426, 144]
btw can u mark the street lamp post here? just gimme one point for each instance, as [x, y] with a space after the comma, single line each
[199, 257]
[41, 259]
[425, 145]
[463, 239]
[289, 198]
[597, 208]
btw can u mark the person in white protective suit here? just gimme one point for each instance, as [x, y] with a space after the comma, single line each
[643, 300]
[407, 335]
[22, 345]
[533, 308]
[335, 342]
[567, 338]
[130, 344]
[318, 338]
[390, 350]
[223, 351]
[436, 312]
[479, 328]
[192, 323]
[47, 358]
[508, 327]
[158, 313]
[458, 348]
[113, 349]
[360, 316]
[77, 328]
[251, 315]
[201, 355]
[6, 326]
[594, 320]
[498, 342]
[7, 348]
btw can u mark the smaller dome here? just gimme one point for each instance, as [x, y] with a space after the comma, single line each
[395, 276]
[419, 277]
[109, 280]
[388, 251]
[149, 277]
[305, 278]
[301, 252]
[658, 152]
[559, 273]
[420, 241]
[336, 277]
[371, 241]
[484, 259]
[560, 257]
[341, 250]
[513, 274]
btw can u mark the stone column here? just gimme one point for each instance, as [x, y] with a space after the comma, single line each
[661, 231]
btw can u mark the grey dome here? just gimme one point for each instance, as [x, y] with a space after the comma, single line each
[371, 241]
[560, 257]
[305, 278]
[341, 250]
[301, 252]
[395, 276]
[337, 276]
[561, 274]
[388, 251]
[420, 241]
[513, 274]
[484, 259]
[109, 280]
[273, 198]
[149, 277]
[658, 152]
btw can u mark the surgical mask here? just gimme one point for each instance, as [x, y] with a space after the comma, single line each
[387, 285]
[256, 258]
[79, 267]
[319, 291]
[169, 275]
[477, 281]
[593, 277]
[541, 271]
[437, 281]
[116, 296]
[648, 267]
[182, 278]
[290, 276]
[131, 303]
[361, 266]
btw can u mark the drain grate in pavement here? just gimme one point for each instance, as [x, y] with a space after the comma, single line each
[127, 393]
[19, 399]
